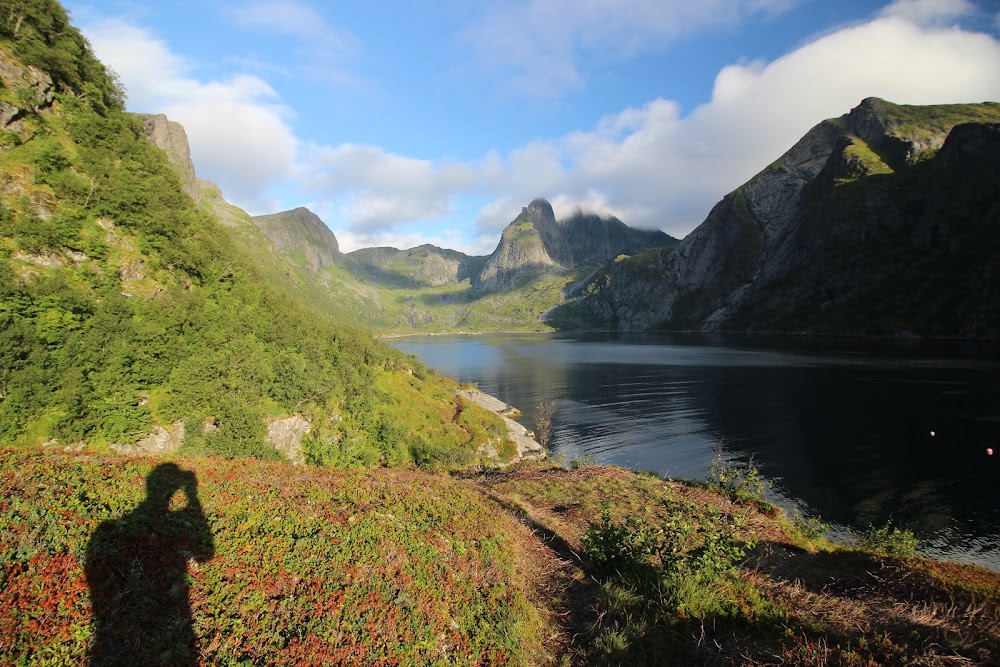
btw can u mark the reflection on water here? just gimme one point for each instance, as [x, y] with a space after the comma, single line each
[840, 427]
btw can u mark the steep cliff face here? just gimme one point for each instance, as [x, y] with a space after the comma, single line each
[172, 138]
[301, 235]
[594, 241]
[535, 243]
[529, 246]
[883, 221]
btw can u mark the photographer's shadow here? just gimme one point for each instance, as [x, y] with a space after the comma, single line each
[136, 568]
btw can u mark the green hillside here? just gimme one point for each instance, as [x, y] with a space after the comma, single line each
[126, 309]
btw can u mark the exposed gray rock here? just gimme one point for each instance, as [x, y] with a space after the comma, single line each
[491, 403]
[535, 244]
[17, 78]
[529, 246]
[78, 446]
[524, 439]
[172, 138]
[301, 231]
[132, 270]
[596, 241]
[46, 258]
[285, 435]
[162, 441]
[527, 447]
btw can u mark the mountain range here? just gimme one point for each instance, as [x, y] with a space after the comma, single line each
[534, 267]
[880, 222]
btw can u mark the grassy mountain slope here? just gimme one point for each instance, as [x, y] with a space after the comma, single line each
[535, 566]
[125, 308]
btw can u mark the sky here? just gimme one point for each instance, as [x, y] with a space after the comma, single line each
[403, 122]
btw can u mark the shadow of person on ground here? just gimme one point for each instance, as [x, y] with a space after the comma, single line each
[136, 568]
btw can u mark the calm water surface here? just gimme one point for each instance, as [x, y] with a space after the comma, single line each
[840, 428]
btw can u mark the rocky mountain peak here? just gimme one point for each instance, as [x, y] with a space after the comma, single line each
[539, 211]
[535, 243]
[301, 230]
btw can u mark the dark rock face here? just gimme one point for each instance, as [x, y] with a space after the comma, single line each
[885, 221]
[301, 230]
[595, 241]
[37, 84]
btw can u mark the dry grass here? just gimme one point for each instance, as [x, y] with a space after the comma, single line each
[827, 607]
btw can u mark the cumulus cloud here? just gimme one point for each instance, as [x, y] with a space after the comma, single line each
[664, 170]
[239, 133]
[379, 190]
[653, 167]
[929, 12]
[537, 44]
[649, 165]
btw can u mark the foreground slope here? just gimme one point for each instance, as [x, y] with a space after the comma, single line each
[280, 564]
[133, 319]
[883, 221]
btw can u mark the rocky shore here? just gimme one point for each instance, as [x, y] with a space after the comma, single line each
[527, 446]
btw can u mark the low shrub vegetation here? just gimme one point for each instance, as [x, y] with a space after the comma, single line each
[306, 567]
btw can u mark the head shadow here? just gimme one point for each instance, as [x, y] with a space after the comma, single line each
[137, 572]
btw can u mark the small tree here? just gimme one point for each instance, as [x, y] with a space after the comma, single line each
[543, 421]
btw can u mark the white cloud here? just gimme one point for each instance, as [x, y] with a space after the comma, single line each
[295, 19]
[451, 239]
[239, 135]
[929, 12]
[649, 165]
[652, 167]
[660, 169]
[536, 44]
[380, 190]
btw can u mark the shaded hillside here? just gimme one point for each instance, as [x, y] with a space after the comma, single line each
[423, 266]
[133, 319]
[596, 241]
[300, 235]
[883, 221]
[265, 563]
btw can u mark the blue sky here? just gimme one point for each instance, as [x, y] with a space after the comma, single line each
[435, 121]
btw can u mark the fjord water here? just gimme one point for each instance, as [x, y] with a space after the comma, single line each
[840, 428]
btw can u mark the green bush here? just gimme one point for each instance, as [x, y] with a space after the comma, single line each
[810, 528]
[743, 484]
[887, 541]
